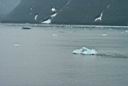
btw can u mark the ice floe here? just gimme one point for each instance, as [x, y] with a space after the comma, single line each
[85, 51]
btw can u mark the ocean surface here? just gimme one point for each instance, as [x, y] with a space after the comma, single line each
[42, 55]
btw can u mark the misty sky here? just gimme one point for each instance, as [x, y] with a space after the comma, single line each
[7, 6]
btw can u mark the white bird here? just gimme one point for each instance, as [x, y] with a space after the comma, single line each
[99, 18]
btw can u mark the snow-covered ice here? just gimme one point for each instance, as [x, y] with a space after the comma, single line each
[48, 21]
[53, 15]
[85, 51]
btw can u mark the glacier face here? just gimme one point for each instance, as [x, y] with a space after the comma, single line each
[6, 6]
[101, 12]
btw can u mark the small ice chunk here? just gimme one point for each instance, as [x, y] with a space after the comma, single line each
[53, 9]
[85, 51]
[48, 21]
[104, 34]
[16, 45]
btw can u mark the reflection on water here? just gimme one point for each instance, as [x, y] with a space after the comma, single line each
[113, 56]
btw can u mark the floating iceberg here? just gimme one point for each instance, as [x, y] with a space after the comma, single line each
[85, 51]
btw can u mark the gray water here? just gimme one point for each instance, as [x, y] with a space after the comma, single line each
[42, 56]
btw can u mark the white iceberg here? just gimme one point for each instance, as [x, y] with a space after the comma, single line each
[48, 21]
[85, 51]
